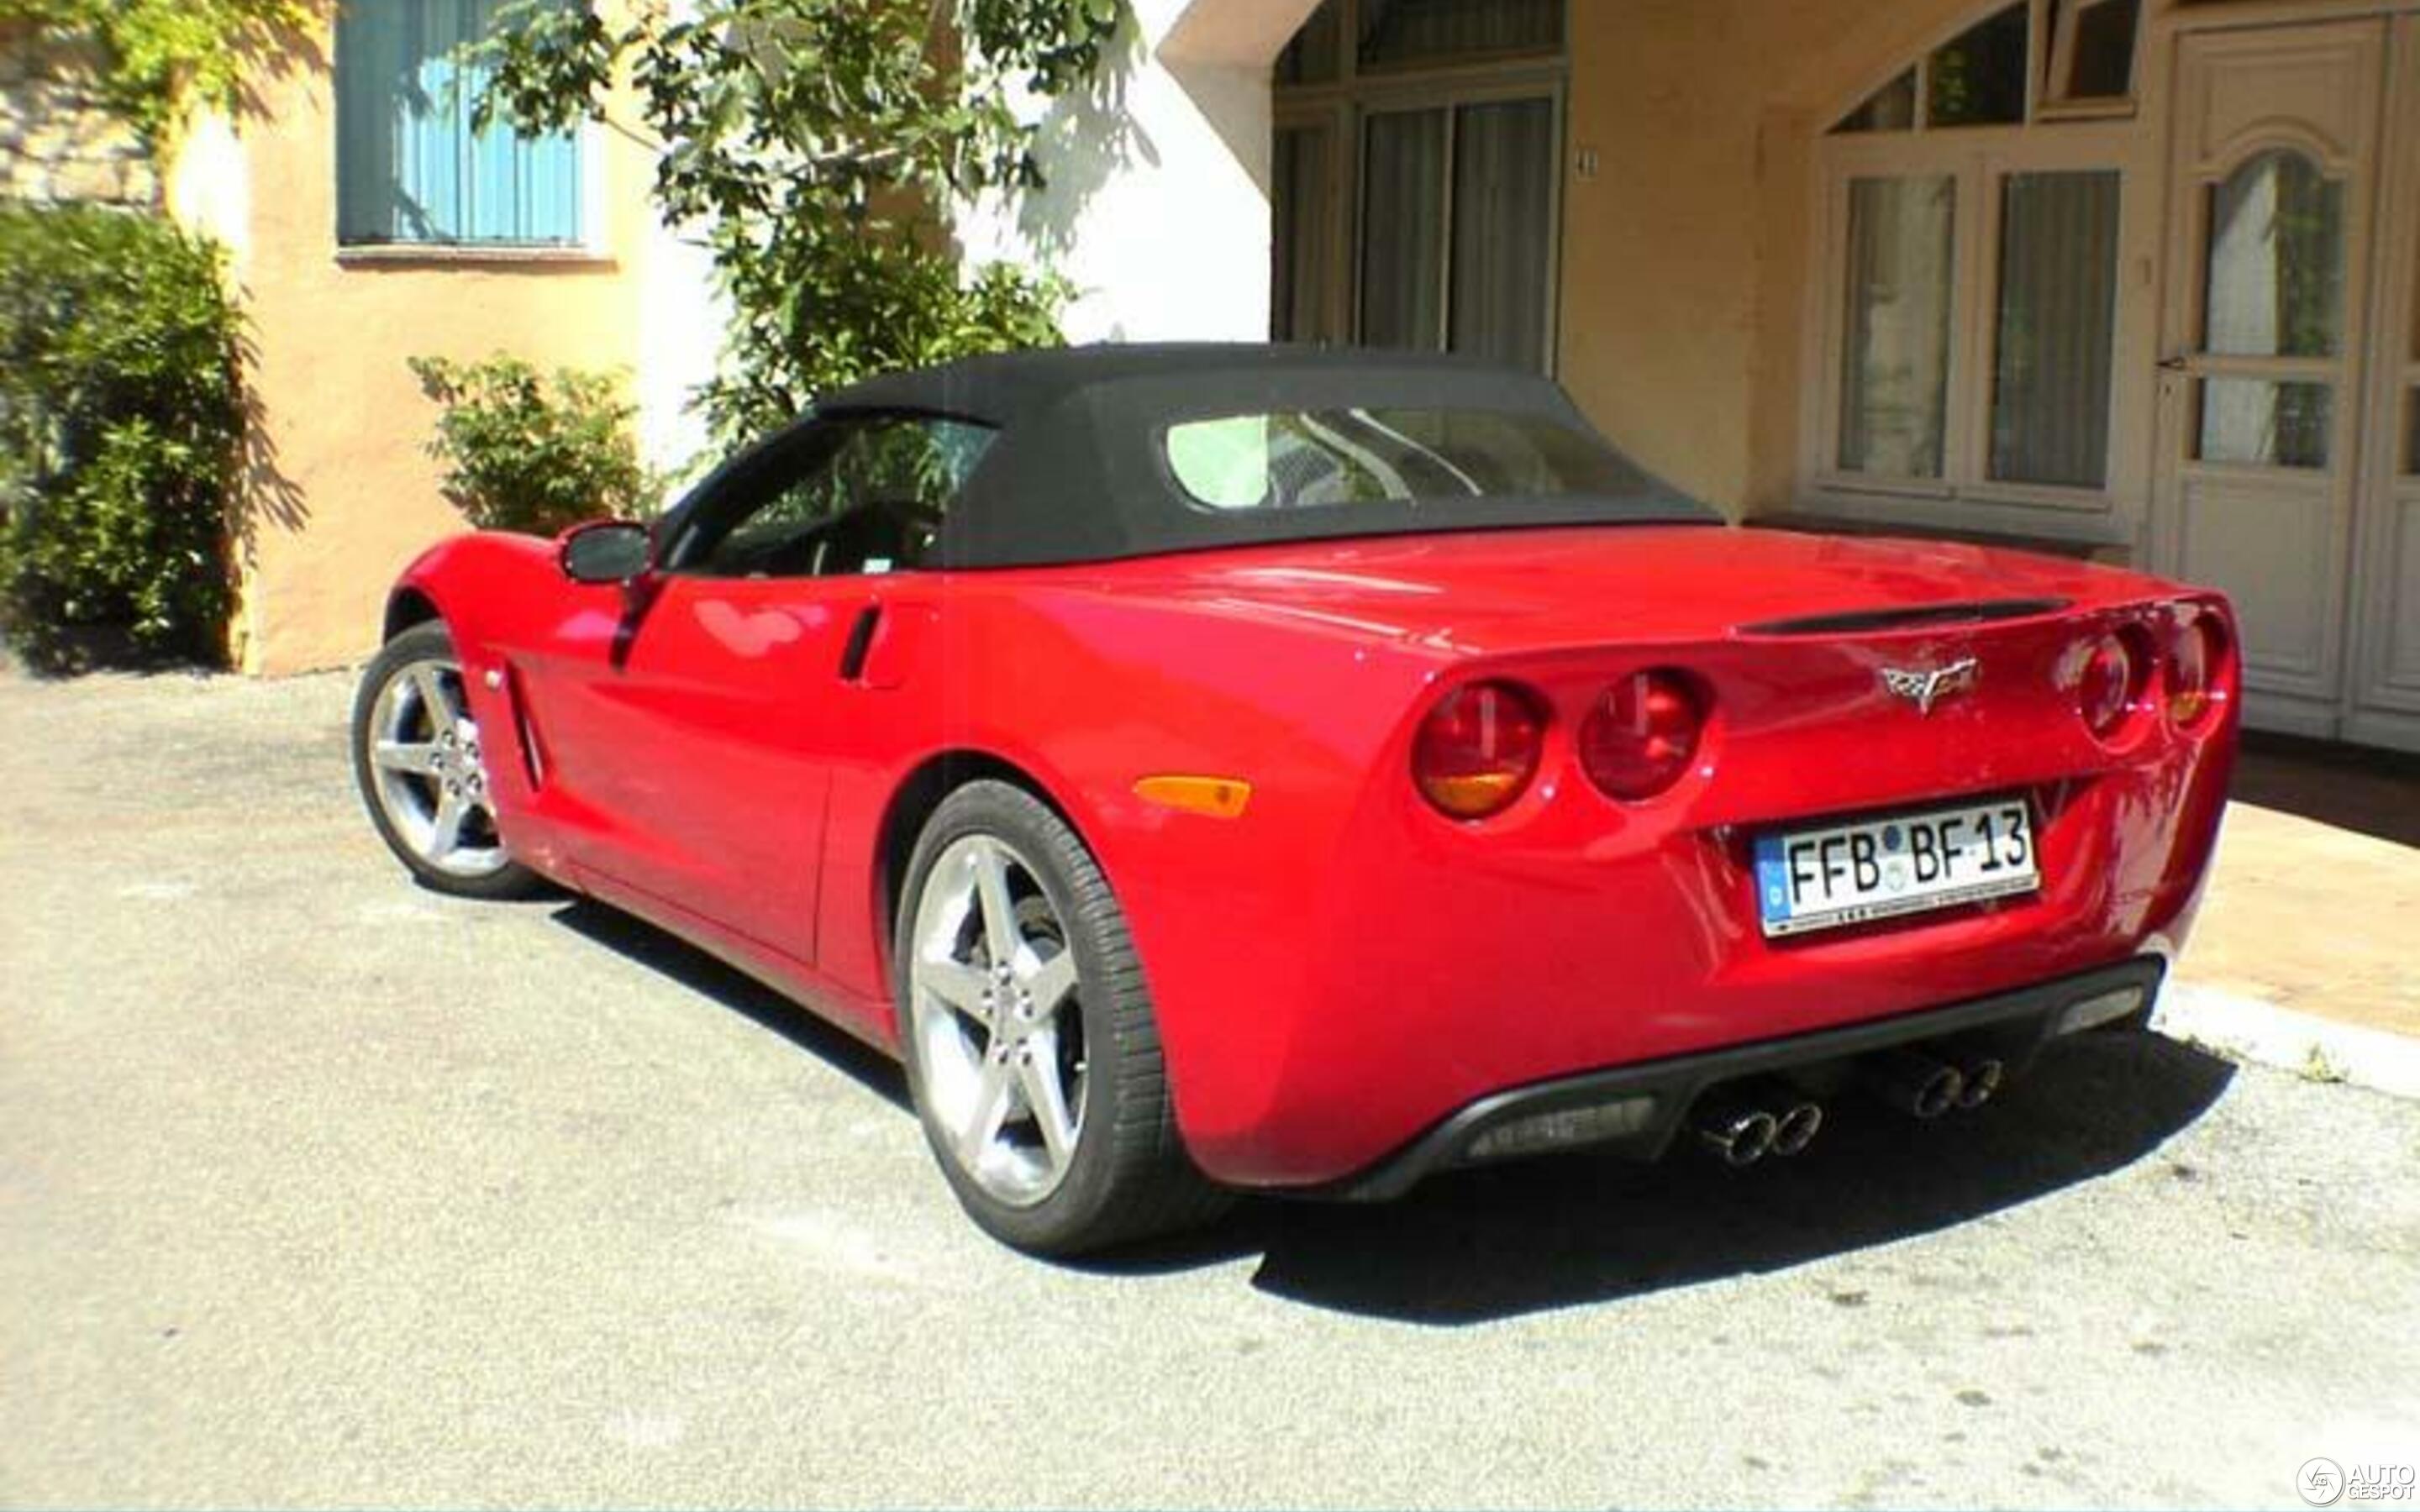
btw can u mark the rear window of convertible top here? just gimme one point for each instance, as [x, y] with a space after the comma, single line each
[1323, 458]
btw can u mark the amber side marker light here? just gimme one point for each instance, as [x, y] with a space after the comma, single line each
[2190, 670]
[1478, 750]
[1220, 797]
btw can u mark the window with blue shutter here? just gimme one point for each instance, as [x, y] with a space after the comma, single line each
[409, 168]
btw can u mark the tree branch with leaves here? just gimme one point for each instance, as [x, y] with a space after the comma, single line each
[159, 58]
[812, 146]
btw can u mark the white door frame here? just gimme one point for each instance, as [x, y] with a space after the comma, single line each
[2310, 688]
[2384, 693]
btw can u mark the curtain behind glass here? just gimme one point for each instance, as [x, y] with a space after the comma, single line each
[2058, 314]
[1895, 363]
[2276, 260]
[1403, 229]
[1504, 160]
[1299, 196]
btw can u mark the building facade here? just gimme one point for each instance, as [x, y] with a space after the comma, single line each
[368, 224]
[2120, 277]
[2139, 279]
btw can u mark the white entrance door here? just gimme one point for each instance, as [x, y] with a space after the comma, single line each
[2386, 696]
[2289, 399]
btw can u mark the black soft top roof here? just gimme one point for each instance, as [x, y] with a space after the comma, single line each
[1079, 472]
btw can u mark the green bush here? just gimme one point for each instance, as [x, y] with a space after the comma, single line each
[523, 453]
[121, 420]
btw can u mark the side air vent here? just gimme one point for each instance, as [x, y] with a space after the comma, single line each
[1977, 611]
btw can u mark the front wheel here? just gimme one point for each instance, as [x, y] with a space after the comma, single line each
[423, 773]
[1033, 1057]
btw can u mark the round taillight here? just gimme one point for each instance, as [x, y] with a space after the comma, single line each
[2106, 691]
[1478, 750]
[2190, 672]
[1641, 734]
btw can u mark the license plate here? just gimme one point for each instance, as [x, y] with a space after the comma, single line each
[1811, 879]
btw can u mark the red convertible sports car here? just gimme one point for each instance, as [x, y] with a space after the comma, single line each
[1232, 767]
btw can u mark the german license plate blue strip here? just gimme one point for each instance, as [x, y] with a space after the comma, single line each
[1828, 876]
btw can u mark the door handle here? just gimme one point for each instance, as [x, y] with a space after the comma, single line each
[2173, 364]
[861, 641]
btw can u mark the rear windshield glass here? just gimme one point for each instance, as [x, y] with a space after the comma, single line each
[1322, 458]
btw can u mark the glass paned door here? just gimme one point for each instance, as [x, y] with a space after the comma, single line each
[2261, 402]
[1403, 184]
[2384, 706]
[1302, 199]
[1503, 197]
[1456, 233]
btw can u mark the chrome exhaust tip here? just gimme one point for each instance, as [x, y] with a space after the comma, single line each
[1742, 1137]
[1981, 1083]
[1912, 1082]
[1796, 1128]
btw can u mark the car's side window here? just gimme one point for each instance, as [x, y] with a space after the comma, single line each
[848, 496]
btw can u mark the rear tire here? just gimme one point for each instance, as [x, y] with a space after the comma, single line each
[1033, 1055]
[418, 761]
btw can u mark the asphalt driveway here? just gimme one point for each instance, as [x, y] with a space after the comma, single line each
[316, 1188]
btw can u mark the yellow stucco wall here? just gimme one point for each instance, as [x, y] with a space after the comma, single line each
[1684, 256]
[347, 495]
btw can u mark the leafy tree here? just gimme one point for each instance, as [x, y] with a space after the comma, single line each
[811, 144]
[160, 57]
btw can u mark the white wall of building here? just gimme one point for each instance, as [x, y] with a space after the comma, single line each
[1157, 207]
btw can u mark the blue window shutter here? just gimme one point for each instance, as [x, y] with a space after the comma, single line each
[410, 167]
[372, 41]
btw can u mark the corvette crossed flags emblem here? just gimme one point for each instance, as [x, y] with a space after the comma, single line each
[1927, 689]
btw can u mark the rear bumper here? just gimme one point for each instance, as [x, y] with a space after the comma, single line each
[1635, 1110]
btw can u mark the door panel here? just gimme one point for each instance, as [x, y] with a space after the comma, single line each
[1455, 238]
[2273, 152]
[2386, 619]
[697, 737]
[2402, 608]
[2229, 523]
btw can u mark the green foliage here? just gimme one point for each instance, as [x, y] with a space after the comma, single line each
[811, 144]
[162, 56]
[120, 424]
[526, 452]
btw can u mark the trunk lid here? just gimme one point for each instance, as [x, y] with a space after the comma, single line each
[1539, 590]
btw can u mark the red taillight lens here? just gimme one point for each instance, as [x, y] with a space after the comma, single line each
[2191, 669]
[2111, 682]
[1640, 737]
[1478, 750]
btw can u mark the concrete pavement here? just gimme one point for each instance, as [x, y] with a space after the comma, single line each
[317, 1189]
[2307, 951]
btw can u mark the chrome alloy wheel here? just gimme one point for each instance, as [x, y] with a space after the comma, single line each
[429, 777]
[999, 1029]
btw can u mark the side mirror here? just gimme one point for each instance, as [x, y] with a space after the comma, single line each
[606, 552]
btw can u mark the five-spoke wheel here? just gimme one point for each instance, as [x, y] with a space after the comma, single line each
[993, 1007]
[422, 772]
[1033, 1055]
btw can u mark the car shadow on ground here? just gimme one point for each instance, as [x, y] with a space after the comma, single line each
[671, 956]
[1479, 1245]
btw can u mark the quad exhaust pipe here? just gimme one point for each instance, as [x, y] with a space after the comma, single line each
[1926, 1087]
[1744, 1124]
[1744, 1128]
